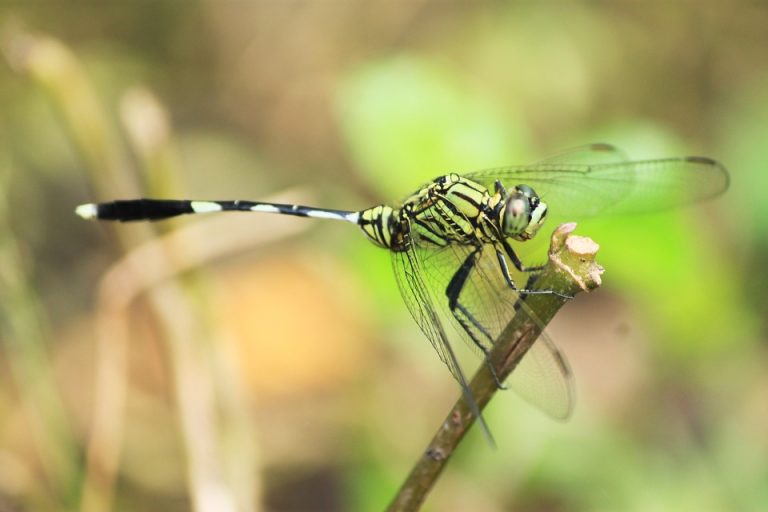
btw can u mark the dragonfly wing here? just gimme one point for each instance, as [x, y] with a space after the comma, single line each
[597, 153]
[543, 377]
[618, 188]
[418, 299]
[409, 272]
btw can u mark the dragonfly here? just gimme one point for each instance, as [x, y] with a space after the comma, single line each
[453, 244]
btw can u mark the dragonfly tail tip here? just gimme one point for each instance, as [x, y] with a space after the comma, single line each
[87, 211]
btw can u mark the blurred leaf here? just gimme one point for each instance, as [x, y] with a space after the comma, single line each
[743, 135]
[407, 120]
[689, 295]
[670, 262]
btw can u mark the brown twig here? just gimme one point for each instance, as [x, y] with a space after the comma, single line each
[570, 269]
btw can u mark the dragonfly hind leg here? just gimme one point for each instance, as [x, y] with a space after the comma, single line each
[465, 318]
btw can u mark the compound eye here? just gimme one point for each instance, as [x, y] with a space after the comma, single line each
[516, 215]
[524, 213]
[526, 191]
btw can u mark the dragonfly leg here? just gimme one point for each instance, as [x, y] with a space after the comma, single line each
[511, 282]
[465, 318]
[512, 255]
[498, 187]
[532, 278]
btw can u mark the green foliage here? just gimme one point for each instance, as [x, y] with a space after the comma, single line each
[407, 119]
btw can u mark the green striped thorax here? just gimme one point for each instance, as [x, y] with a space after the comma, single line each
[455, 209]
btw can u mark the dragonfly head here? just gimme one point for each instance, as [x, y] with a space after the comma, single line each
[524, 213]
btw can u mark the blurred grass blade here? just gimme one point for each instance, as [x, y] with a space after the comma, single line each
[149, 136]
[56, 70]
[25, 341]
[58, 73]
[198, 358]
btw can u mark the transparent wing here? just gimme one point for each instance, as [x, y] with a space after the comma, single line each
[418, 299]
[592, 154]
[543, 377]
[573, 190]
[408, 269]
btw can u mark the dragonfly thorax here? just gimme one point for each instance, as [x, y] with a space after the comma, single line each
[455, 210]
[523, 213]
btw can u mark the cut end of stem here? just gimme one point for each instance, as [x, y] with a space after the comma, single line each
[575, 255]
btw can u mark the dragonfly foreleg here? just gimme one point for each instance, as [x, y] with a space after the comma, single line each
[463, 316]
[511, 282]
[498, 187]
[512, 255]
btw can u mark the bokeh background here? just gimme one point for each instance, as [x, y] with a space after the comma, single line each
[244, 362]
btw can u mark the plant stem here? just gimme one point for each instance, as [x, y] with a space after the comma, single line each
[570, 268]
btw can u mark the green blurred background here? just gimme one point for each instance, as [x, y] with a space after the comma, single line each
[251, 363]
